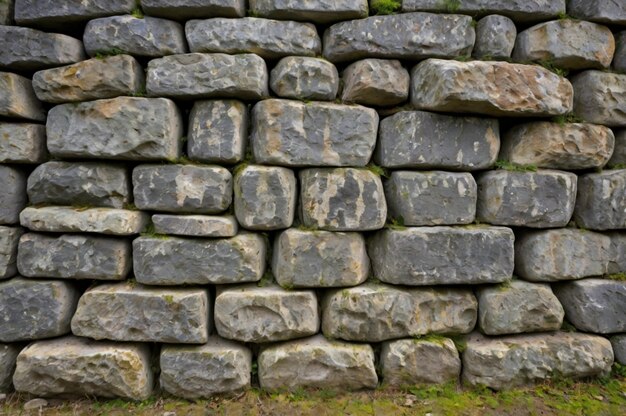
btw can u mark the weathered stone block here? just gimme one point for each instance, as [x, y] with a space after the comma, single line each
[419, 361]
[17, 98]
[256, 314]
[127, 312]
[477, 87]
[6, 13]
[594, 305]
[542, 199]
[218, 131]
[265, 197]
[345, 366]
[595, 99]
[182, 188]
[376, 312]
[617, 263]
[305, 78]
[193, 9]
[565, 254]
[418, 139]
[22, 143]
[195, 225]
[59, 13]
[13, 196]
[35, 309]
[74, 256]
[618, 342]
[376, 82]
[124, 128]
[177, 261]
[294, 133]
[619, 59]
[316, 11]
[9, 239]
[242, 76]
[93, 220]
[8, 355]
[443, 255]
[85, 183]
[506, 362]
[81, 367]
[618, 159]
[601, 200]
[146, 36]
[219, 366]
[431, 198]
[342, 199]
[395, 37]
[319, 259]
[604, 11]
[495, 37]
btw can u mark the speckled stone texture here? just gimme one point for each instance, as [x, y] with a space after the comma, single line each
[18, 100]
[601, 200]
[59, 13]
[194, 9]
[9, 239]
[316, 11]
[305, 78]
[495, 37]
[596, 97]
[22, 143]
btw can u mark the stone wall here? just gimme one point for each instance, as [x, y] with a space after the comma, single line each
[200, 196]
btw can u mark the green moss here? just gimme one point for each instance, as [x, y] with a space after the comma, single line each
[550, 66]
[567, 118]
[109, 52]
[451, 6]
[617, 276]
[514, 167]
[384, 7]
[619, 166]
[377, 170]
[396, 224]
[169, 299]
[137, 13]
[433, 338]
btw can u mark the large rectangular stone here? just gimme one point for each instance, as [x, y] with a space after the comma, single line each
[601, 200]
[9, 239]
[316, 11]
[195, 225]
[595, 99]
[305, 78]
[8, 355]
[604, 11]
[618, 159]
[617, 264]
[13, 196]
[22, 143]
[194, 9]
[619, 59]
[18, 100]
[59, 13]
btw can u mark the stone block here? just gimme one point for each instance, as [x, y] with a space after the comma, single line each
[8, 355]
[18, 100]
[618, 342]
[305, 78]
[58, 14]
[617, 263]
[619, 59]
[194, 9]
[595, 99]
[618, 159]
[375, 82]
[13, 196]
[9, 239]
[603, 11]
[495, 37]
[195, 225]
[6, 13]
[316, 11]
[601, 200]
[22, 143]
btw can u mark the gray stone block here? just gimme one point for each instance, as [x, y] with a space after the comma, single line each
[316, 11]
[72, 366]
[192, 372]
[22, 143]
[74, 256]
[125, 128]
[6, 12]
[9, 239]
[178, 261]
[376, 82]
[418, 139]
[431, 198]
[85, 183]
[563, 254]
[59, 13]
[218, 131]
[345, 366]
[305, 78]
[13, 196]
[128, 312]
[259, 314]
[495, 37]
[601, 200]
[377, 312]
[541, 199]
[594, 97]
[619, 59]
[182, 188]
[146, 36]
[242, 76]
[604, 11]
[442, 255]
[195, 225]
[617, 263]
[505, 362]
[342, 199]
[618, 159]
[618, 342]
[269, 39]
[35, 309]
[319, 259]
[395, 37]
[8, 355]
[194, 9]
[265, 197]
[18, 100]
[294, 133]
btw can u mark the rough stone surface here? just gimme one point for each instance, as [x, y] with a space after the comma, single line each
[604, 11]
[305, 78]
[256, 314]
[195, 225]
[18, 100]
[125, 312]
[293, 133]
[319, 259]
[594, 305]
[9, 239]
[495, 37]
[564, 254]
[619, 59]
[59, 13]
[601, 200]
[90, 80]
[147, 36]
[201, 75]
[598, 97]
[85, 183]
[265, 197]
[419, 361]
[32, 50]
[6, 12]
[618, 342]
[518, 307]
[81, 367]
[13, 196]
[93, 220]
[568, 146]
[618, 159]
[182, 188]
[418, 139]
[8, 355]
[542, 199]
[267, 38]
[124, 128]
[443, 255]
[431, 198]
[477, 86]
[316, 11]
[218, 131]
[177, 261]
[219, 366]
[22, 143]
[35, 309]
[342, 199]
[193, 9]
[617, 263]
[338, 365]
[74, 256]
[395, 36]
[376, 312]
[506, 362]
[375, 82]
